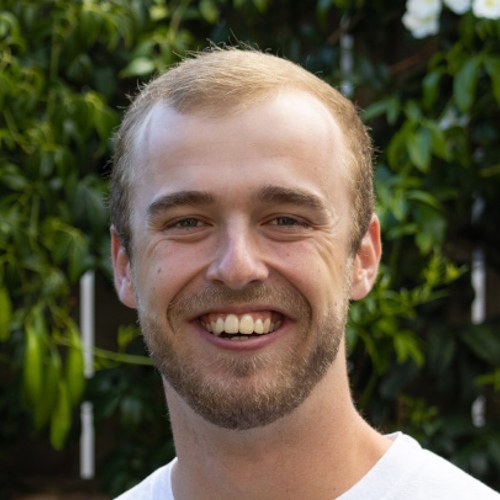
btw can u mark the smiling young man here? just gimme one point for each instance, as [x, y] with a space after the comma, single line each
[243, 223]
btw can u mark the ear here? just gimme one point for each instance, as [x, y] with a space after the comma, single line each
[366, 261]
[124, 284]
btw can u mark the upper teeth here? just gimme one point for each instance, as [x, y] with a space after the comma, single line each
[245, 325]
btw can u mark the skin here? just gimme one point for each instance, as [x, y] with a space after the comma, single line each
[239, 203]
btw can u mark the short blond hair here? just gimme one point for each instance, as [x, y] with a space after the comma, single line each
[219, 81]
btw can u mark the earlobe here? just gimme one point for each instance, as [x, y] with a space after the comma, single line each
[124, 283]
[367, 260]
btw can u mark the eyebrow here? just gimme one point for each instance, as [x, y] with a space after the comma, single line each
[281, 195]
[180, 198]
[268, 194]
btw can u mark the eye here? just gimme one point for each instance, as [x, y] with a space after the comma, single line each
[287, 221]
[187, 223]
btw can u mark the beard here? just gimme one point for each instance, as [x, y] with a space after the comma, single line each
[221, 388]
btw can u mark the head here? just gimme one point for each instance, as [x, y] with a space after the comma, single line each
[242, 207]
[227, 81]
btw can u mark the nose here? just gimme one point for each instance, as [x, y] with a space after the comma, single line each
[237, 261]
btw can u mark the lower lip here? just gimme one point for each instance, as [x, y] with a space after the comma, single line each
[250, 344]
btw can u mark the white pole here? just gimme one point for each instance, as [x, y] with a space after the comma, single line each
[478, 308]
[346, 58]
[87, 321]
[478, 279]
[87, 442]
[478, 271]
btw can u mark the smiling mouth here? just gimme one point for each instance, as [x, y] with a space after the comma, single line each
[241, 326]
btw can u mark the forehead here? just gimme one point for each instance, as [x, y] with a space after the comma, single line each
[291, 134]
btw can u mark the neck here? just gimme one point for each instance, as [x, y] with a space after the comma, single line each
[317, 452]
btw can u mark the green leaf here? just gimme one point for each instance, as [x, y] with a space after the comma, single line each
[67, 244]
[74, 368]
[441, 348]
[55, 282]
[89, 207]
[430, 85]
[483, 341]
[51, 377]
[490, 379]
[209, 11]
[158, 12]
[419, 144]
[34, 351]
[7, 85]
[375, 110]
[5, 314]
[407, 346]
[62, 245]
[413, 111]
[397, 232]
[138, 67]
[46, 165]
[131, 411]
[127, 334]
[399, 205]
[11, 177]
[105, 121]
[431, 227]
[397, 147]
[78, 256]
[60, 423]
[80, 112]
[103, 118]
[80, 68]
[491, 171]
[423, 197]
[465, 83]
[440, 145]
[261, 5]
[9, 26]
[238, 4]
[393, 109]
[492, 67]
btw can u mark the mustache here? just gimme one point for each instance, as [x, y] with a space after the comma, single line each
[188, 305]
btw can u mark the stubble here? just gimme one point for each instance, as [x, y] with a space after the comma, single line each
[228, 395]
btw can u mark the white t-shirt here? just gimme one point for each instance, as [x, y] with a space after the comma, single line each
[405, 472]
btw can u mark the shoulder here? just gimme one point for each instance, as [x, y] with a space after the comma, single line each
[409, 472]
[157, 485]
[439, 473]
[431, 476]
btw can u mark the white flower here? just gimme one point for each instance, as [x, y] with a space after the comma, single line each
[458, 6]
[421, 27]
[486, 8]
[424, 8]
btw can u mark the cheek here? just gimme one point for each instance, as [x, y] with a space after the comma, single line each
[316, 272]
[166, 269]
[317, 264]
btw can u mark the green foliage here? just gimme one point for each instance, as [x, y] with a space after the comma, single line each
[433, 105]
[53, 137]
[134, 397]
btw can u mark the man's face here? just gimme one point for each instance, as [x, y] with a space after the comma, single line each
[241, 270]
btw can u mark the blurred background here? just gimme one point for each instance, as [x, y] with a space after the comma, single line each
[82, 412]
